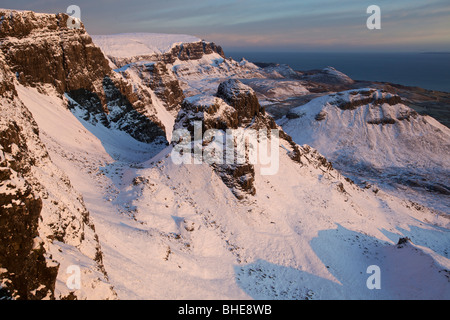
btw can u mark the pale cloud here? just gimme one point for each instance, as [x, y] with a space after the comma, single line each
[285, 24]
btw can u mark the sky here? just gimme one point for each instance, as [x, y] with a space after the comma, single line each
[268, 25]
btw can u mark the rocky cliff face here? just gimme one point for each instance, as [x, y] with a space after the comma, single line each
[234, 105]
[157, 77]
[23, 260]
[23, 267]
[240, 97]
[42, 216]
[194, 51]
[167, 66]
[41, 50]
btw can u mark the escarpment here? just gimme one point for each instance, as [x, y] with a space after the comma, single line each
[24, 269]
[41, 215]
[182, 51]
[24, 272]
[42, 51]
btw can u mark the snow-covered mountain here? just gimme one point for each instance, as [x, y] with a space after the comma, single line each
[374, 138]
[88, 151]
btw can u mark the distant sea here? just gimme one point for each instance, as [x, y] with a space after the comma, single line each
[426, 70]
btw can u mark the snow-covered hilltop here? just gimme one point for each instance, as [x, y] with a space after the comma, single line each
[375, 138]
[128, 45]
[132, 47]
[88, 176]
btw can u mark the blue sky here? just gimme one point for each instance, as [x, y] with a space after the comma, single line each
[262, 25]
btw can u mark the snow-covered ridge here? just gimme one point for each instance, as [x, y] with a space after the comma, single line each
[350, 100]
[127, 48]
[128, 45]
[371, 135]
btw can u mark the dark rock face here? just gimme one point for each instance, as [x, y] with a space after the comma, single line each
[41, 49]
[292, 115]
[239, 178]
[240, 97]
[403, 241]
[118, 112]
[320, 116]
[382, 121]
[191, 51]
[165, 85]
[23, 258]
[211, 47]
[7, 88]
[208, 114]
[370, 98]
[407, 115]
[32, 213]
[195, 51]
[24, 273]
[234, 107]
[157, 77]
[23, 261]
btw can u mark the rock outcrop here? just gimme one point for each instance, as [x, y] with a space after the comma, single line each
[193, 51]
[23, 259]
[157, 77]
[41, 50]
[364, 97]
[240, 97]
[236, 106]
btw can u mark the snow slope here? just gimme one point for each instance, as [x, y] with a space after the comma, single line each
[169, 231]
[177, 232]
